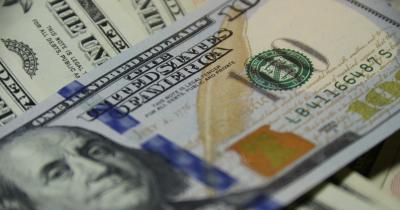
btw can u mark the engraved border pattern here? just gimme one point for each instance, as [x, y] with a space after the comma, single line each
[374, 12]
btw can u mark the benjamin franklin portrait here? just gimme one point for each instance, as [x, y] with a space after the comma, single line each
[70, 168]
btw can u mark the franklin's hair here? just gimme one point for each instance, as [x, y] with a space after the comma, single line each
[169, 182]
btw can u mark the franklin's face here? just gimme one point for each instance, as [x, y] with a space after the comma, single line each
[73, 169]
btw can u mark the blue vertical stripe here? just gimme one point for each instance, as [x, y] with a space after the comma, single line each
[190, 164]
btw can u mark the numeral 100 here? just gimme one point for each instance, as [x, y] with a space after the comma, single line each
[378, 98]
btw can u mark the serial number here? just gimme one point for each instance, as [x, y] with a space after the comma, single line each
[347, 81]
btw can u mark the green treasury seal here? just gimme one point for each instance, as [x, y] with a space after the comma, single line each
[279, 69]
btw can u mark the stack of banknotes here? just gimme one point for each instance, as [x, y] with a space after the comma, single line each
[199, 105]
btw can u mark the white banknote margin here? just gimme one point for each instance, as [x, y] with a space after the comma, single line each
[382, 6]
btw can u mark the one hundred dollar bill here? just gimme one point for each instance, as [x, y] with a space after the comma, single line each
[156, 14]
[385, 172]
[45, 44]
[349, 191]
[247, 102]
[365, 190]
[331, 197]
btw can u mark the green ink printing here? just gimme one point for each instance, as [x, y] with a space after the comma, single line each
[279, 69]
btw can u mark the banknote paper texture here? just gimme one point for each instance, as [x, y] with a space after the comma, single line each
[46, 44]
[247, 96]
[156, 14]
[53, 42]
